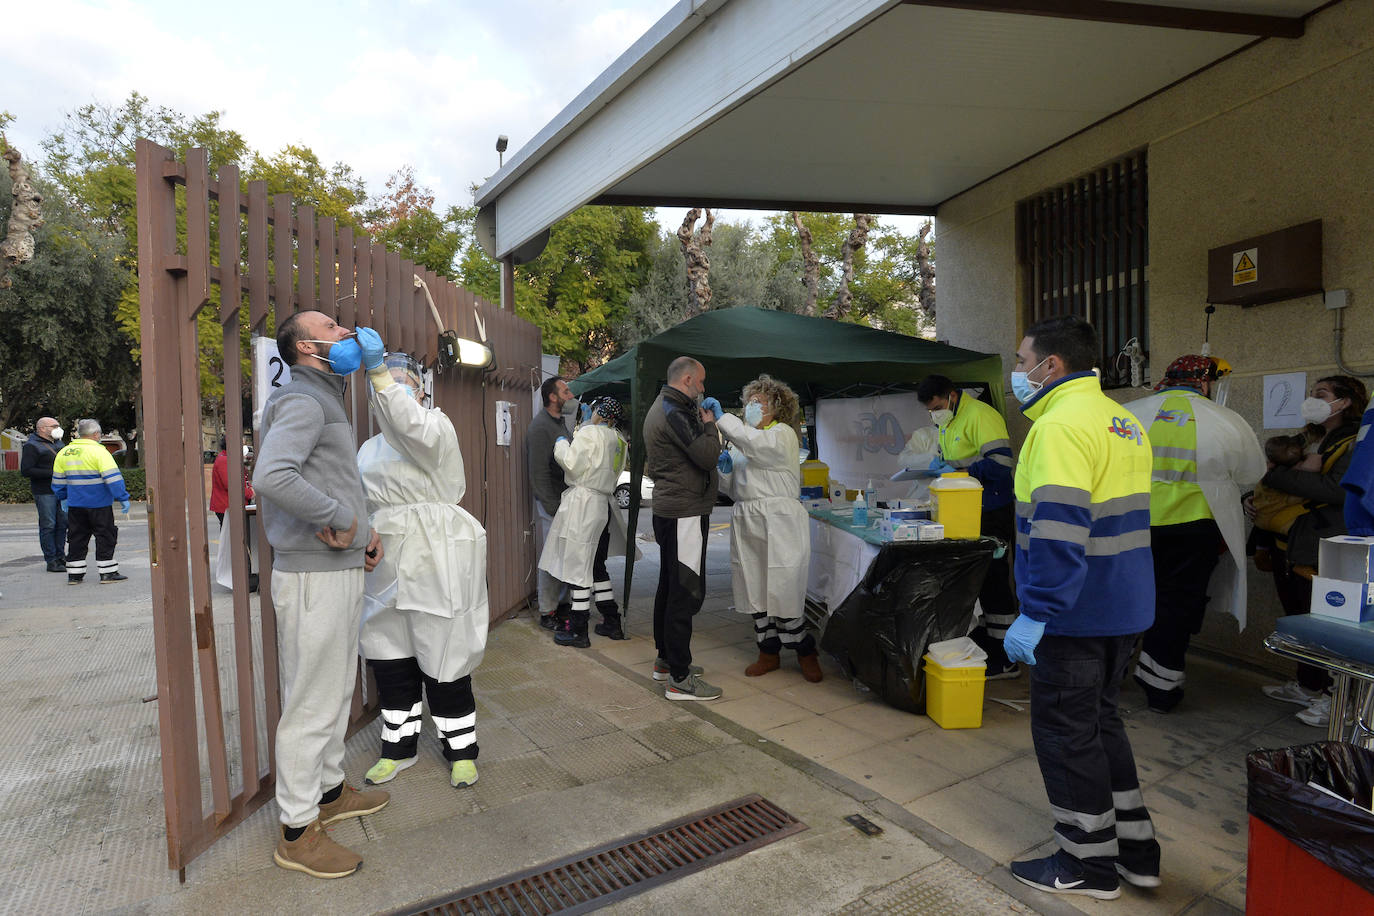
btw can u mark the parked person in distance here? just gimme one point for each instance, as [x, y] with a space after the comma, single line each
[770, 532]
[35, 462]
[219, 484]
[588, 527]
[88, 483]
[425, 610]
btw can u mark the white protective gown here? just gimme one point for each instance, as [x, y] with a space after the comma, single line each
[770, 539]
[591, 466]
[427, 598]
[1229, 462]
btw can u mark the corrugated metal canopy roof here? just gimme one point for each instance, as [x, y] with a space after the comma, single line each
[879, 105]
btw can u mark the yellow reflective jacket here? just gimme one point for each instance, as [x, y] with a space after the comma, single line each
[1083, 563]
[85, 475]
[976, 441]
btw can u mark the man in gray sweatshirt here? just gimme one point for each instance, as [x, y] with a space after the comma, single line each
[311, 499]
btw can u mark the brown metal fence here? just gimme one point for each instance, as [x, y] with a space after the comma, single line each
[256, 258]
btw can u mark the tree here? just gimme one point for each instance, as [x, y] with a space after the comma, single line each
[578, 289]
[853, 246]
[404, 220]
[61, 352]
[811, 265]
[694, 243]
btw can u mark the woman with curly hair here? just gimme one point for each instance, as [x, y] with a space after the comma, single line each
[770, 541]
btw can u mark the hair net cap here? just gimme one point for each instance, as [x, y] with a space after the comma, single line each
[609, 408]
[1188, 372]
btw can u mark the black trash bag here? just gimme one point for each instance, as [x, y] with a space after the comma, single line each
[1333, 832]
[912, 596]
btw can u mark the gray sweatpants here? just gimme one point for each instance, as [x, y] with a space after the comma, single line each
[551, 591]
[318, 614]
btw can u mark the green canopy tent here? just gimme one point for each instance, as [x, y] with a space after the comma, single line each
[817, 357]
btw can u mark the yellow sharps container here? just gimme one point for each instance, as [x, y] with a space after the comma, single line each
[815, 474]
[958, 504]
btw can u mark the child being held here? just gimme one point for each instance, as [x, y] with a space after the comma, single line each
[1275, 511]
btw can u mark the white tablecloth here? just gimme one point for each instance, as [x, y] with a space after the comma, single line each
[839, 560]
[224, 558]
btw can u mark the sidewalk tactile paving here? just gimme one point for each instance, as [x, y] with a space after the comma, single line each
[682, 737]
[559, 724]
[520, 777]
[521, 701]
[604, 756]
[943, 889]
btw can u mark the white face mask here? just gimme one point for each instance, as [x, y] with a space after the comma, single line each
[753, 413]
[1317, 411]
[55, 433]
[942, 416]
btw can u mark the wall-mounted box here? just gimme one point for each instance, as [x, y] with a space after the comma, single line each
[1267, 268]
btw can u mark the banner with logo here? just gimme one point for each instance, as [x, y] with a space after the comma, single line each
[860, 438]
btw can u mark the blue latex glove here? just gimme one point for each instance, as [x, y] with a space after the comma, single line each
[725, 464]
[370, 342]
[713, 405]
[1022, 637]
[562, 439]
[64, 505]
[586, 410]
[124, 506]
[941, 466]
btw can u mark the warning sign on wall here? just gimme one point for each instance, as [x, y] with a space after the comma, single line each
[1244, 266]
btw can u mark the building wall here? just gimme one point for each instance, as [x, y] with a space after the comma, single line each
[1279, 134]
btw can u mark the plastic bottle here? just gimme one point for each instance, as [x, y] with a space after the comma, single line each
[871, 495]
[860, 512]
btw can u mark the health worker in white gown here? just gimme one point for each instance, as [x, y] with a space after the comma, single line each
[770, 532]
[588, 526]
[425, 610]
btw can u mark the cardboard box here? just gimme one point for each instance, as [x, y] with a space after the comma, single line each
[1349, 557]
[1342, 599]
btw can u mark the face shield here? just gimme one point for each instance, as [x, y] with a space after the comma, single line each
[406, 370]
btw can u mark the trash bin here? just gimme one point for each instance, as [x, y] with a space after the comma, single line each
[913, 594]
[1309, 850]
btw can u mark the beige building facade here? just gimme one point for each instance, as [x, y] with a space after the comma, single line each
[1278, 134]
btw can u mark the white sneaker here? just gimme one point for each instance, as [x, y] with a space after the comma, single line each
[1292, 692]
[1318, 714]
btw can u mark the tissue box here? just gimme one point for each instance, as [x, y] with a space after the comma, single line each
[815, 503]
[930, 531]
[1342, 599]
[1347, 557]
[814, 493]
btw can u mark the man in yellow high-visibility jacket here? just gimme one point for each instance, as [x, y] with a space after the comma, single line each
[86, 480]
[1205, 457]
[1086, 586]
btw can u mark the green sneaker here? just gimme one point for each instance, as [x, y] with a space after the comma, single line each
[385, 770]
[463, 773]
[692, 687]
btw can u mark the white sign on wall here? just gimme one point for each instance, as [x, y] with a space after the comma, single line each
[1283, 395]
[270, 372]
[860, 438]
[505, 419]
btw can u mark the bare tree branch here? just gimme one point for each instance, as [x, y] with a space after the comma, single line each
[811, 265]
[853, 243]
[925, 267]
[26, 216]
[694, 244]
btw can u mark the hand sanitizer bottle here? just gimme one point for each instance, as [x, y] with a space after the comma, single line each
[860, 512]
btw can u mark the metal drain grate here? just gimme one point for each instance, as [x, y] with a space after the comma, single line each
[585, 881]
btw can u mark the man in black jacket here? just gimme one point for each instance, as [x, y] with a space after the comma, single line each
[35, 463]
[681, 448]
[546, 479]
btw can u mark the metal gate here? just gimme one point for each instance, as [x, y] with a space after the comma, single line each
[256, 257]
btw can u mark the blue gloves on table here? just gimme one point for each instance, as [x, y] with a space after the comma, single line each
[725, 464]
[370, 342]
[124, 506]
[941, 466]
[713, 405]
[1022, 637]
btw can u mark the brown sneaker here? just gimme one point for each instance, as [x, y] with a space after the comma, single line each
[811, 667]
[314, 853]
[767, 662]
[352, 803]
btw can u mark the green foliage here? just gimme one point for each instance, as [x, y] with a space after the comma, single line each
[577, 290]
[61, 352]
[404, 220]
[14, 487]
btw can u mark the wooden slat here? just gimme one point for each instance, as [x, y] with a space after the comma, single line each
[362, 256]
[197, 231]
[306, 298]
[166, 475]
[235, 527]
[283, 259]
[258, 303]
[396, 281]
[329, 275]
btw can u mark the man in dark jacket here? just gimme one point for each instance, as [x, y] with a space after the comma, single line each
[546, 480]
[681, 450]
[35, 463]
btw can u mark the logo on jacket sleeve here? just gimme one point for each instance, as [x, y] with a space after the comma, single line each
[1126, 428]
[1178, 418]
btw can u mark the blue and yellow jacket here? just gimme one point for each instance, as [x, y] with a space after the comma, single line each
[85, 475]
[976, 440]
[1083, 563]
[1359, 480]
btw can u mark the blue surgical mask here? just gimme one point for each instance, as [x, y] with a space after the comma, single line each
[1023, 387]
[345, 356]
[753, 413]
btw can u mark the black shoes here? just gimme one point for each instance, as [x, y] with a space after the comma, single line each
[106, 578]
[57, 566]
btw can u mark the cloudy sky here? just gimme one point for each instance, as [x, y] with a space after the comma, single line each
[377, 85]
